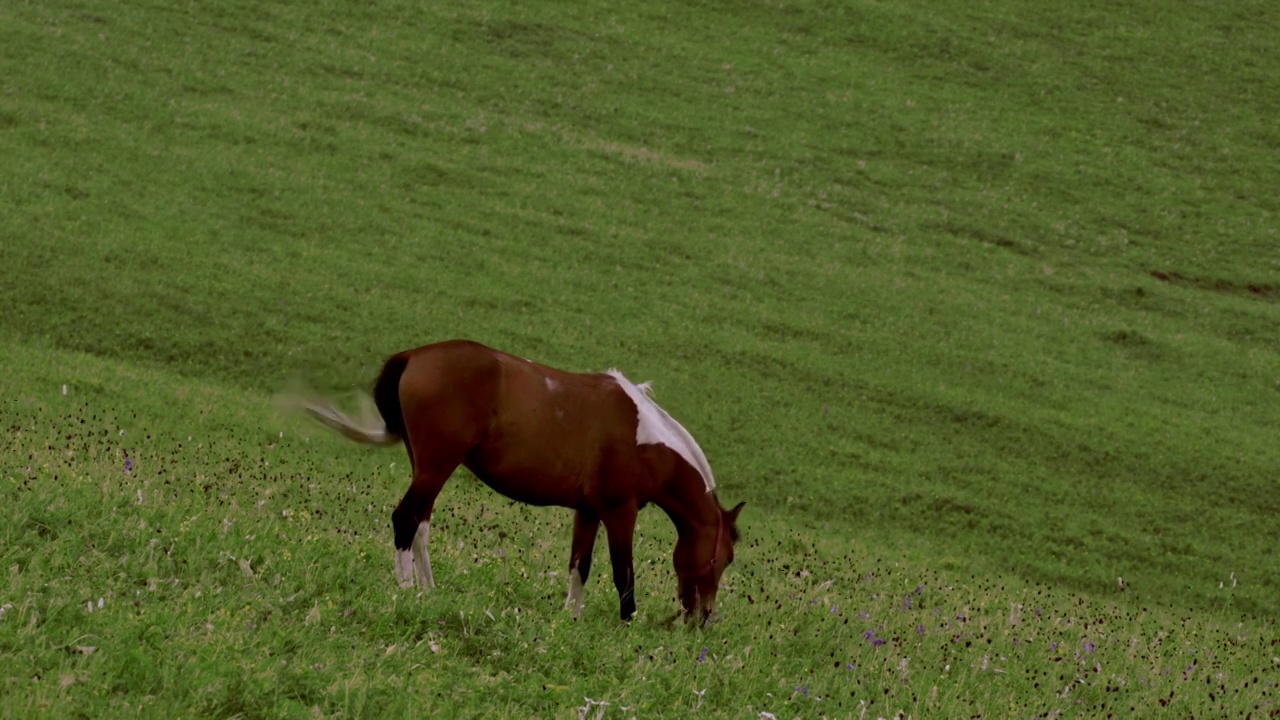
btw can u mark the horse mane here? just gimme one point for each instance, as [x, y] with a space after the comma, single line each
[655, 425]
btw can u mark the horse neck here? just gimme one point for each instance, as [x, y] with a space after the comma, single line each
[691, 507]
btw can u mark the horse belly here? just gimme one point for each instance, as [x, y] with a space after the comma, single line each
[537, 468]
[534, 485]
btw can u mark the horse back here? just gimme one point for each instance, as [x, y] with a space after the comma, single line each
[534, 433]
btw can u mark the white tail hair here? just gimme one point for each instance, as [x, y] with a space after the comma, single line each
[369, 430]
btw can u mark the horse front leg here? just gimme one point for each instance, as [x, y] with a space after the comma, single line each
[411, 522]
[620, 525]
[585, 526]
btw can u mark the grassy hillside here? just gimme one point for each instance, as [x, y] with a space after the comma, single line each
[232, 563]
[990, 290]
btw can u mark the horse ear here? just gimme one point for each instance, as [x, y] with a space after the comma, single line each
[732, 515]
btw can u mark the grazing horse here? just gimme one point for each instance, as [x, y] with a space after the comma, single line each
[595, 443]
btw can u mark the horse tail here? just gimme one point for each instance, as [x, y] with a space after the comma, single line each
[369, 430]
[386, 394]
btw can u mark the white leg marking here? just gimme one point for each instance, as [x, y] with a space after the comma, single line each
[575, 600]
[404, 568]
[422, 558]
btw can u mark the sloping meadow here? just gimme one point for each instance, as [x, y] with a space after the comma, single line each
[207, 555]
[974, 306]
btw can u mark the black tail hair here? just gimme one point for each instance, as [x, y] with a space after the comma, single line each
[386, 393]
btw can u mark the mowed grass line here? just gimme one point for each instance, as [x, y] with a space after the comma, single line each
[240, 565]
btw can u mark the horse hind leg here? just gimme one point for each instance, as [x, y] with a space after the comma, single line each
[411, 521]
[585, 525]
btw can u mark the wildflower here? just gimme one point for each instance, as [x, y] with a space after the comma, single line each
[920, 629]
[598, 704]
[1089, 646]
[1053, 646]
[128, 464]
[803, 690]
[703, 656]
[699, 693]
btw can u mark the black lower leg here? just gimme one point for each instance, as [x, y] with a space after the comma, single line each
[624, 579]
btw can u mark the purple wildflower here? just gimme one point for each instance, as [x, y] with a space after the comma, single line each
[920, 629]
[906, 603]
[803, 690]
[848, 666]
[878, 642]
[1090, 646]
[128, 464]
[833, 609]
[703, 656]
[1053, 646]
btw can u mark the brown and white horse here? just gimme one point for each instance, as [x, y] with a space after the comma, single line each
[595, 443]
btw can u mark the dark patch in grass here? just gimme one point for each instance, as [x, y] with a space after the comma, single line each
[786, 332]
[1257, 290]
[1127, 338]
[984, 235]
[1135, 344]
[526, 40]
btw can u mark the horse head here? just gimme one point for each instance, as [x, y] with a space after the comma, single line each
[700, 560]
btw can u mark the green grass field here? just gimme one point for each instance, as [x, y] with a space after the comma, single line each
[975, 306]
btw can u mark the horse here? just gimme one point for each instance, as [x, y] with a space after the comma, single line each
[592, 442]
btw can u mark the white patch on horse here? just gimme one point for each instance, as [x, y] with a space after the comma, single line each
[655, 426]
[422, 558]
[552, 385]
[414, 563]
[404, 568]
[575, 600]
